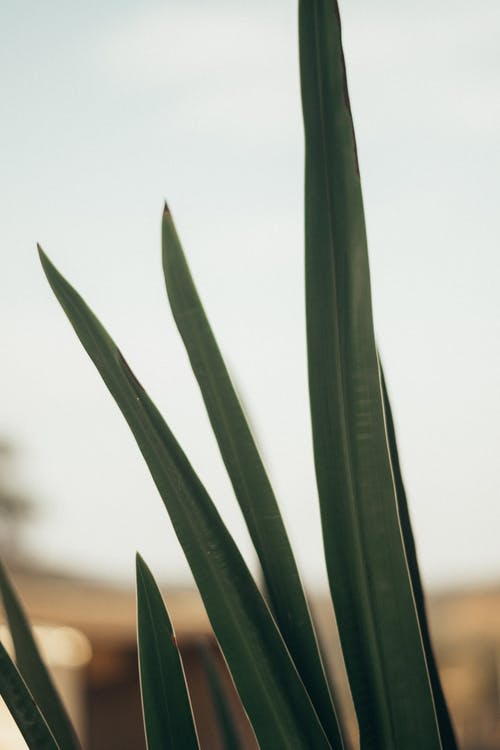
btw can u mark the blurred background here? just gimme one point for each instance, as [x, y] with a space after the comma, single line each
[107, 109]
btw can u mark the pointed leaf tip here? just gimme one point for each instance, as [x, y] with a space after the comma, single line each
[44, 260]
[140, 564]
[166, 210]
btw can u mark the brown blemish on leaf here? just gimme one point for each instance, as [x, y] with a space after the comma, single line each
[129, 372]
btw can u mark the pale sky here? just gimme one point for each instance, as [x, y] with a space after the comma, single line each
[109, 107]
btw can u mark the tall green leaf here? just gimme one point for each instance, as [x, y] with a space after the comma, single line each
[249, 479]
[267, 681]
[33, 669]
[168, 719]
[22, 707]
[364, 550]
[225, 719]
[445, 725]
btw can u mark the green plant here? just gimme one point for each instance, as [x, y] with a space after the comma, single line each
[274, 658]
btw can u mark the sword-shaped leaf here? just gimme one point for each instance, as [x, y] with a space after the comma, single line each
[365, 556]
[225, 719]
[249, 478]
[166, 708]
[445, 725]
[22, 707]
[268, 683]
[33, 670]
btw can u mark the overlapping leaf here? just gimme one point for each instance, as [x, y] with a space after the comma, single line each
[225, 718]
[365, 556]
[33, 669]
[248, 476]
[268, 683]
[445, 725]
[22, 707]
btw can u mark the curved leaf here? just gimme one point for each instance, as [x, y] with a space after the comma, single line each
[33, 669]
[268, 683]
[22, 707]
[249, 479]
[166, 707]
[365, 555]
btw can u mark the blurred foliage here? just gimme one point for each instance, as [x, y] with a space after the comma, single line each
[16, 508]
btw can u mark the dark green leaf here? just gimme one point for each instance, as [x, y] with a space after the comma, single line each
[33, 669]
[445, 725]
[269, 686]
[225, 719]
[365, 556]
[248, 476]
[23, 708]
[166, 707]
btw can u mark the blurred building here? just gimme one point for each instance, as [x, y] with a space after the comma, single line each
[466, 628]
[89, 640]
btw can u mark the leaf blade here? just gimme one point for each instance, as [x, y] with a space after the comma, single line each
[33, 670]
[225, 720]
[167, 712]
[445, 724]
[249, 478]
[365, 556]
[22, 707]
[269, 686]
